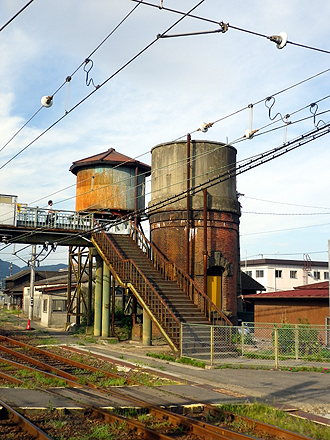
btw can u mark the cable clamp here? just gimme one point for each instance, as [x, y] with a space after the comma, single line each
[161, 4]
[224, 26]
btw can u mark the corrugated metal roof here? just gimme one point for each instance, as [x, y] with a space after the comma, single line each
[109, 157]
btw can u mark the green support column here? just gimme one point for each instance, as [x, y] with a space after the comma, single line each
[106, 302]
[146, 329]
[98, 296]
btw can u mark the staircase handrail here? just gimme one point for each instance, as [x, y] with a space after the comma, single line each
[98, 230]
[170, 271]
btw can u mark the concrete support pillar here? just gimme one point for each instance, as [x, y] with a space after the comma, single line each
[106, 302]
[98, 296]
[146, 329]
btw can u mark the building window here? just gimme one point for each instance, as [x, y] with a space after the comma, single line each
[278, 273]
[293, 274]
[326, 275]
[317, 275]
[44, 305]
[59, 305]
[259, 273]
[249, 273]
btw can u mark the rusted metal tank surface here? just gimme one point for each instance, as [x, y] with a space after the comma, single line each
[110, 181]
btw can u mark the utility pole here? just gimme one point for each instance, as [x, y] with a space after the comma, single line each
[32, 277]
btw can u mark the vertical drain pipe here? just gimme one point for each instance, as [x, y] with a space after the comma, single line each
[188, 202]
[205, 247]
[69, 305]
[136, 203]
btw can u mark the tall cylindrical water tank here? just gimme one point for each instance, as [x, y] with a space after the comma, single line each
[182, 241]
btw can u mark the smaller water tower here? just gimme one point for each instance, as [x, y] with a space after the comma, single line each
[110, 183]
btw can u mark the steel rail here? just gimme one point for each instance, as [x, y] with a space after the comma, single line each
[63, 359]
[34, 370]
[283, 434]
[24, 423]
[193, 425]
[199, 428]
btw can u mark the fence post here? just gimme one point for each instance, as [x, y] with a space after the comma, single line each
[242, 338]
[181, 340]
[296, 342]
[35, 220]
[276, 347]
[212, 344]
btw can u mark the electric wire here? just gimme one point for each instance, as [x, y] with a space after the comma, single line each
[285, 229]
[101, 85]
[284, 203]
[183, 161]
[250, 164]
[16, 15]
[68, 79]
[235, 28]
[286, 214]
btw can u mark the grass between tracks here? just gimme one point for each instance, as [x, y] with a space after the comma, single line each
[281, 419]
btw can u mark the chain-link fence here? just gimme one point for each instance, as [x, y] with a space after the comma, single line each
[260, 344]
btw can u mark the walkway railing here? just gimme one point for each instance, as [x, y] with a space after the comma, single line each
[128, 274]
[172, 272]
[57, 219]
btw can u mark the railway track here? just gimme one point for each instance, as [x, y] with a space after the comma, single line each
[14, 425]
[157, 422]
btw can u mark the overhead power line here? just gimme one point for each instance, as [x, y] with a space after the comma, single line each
[13, 18]
[102, 84]
[224, 28]
[69, 77]
[248, 164]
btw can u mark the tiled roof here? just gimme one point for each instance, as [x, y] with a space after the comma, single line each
[312, 291]
[109, 157]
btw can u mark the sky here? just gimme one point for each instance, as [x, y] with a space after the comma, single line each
[163, 94]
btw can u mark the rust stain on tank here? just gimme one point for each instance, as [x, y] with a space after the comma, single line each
[107, 181]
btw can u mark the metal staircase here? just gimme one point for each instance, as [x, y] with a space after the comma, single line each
[168, 294]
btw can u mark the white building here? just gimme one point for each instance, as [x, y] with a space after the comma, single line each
[276, 274]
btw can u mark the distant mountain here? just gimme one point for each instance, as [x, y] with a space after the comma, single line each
[49, 267]
[5, 269]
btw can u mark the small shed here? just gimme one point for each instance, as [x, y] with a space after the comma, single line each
[309, 303]
[54, 306]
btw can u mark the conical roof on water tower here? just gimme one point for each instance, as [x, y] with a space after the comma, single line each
[107, 182]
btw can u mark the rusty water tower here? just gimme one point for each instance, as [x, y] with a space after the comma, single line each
[110, 182]
[208, 249]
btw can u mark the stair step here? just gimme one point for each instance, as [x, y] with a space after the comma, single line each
[176, 300]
